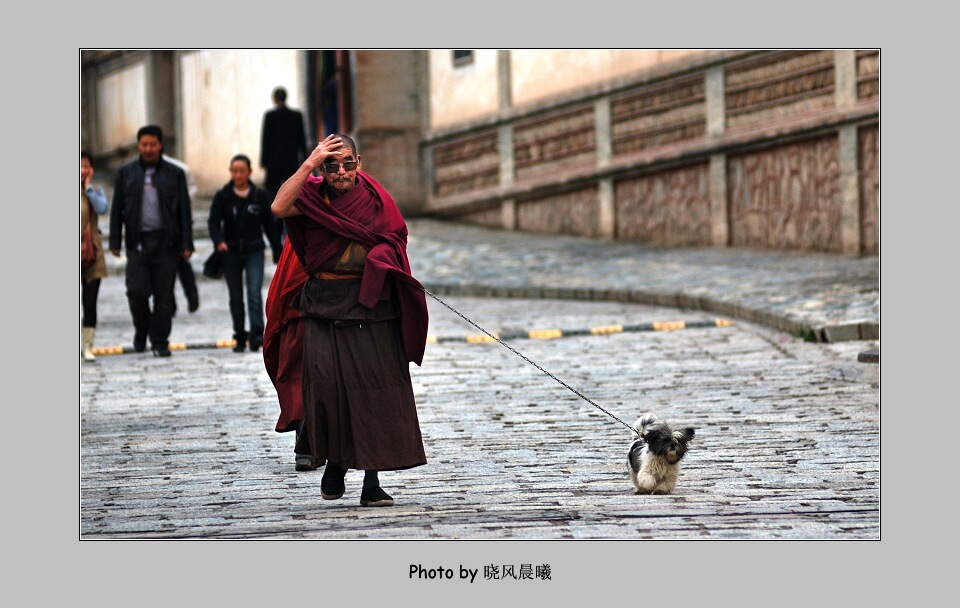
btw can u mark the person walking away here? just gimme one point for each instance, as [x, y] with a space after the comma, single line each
[364, 318]
[283, 142]
[93, 204]
[151, 214]
[188, 279]
[239, 218]
[283, 145]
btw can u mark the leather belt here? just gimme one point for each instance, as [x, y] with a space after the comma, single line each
[336, 276]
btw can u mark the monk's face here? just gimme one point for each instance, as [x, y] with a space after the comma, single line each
[340, 170]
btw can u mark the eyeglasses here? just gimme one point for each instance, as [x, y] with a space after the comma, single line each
[349, 165]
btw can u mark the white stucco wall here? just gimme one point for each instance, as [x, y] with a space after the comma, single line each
[536, 74]
[224, 93]
[121, 106]
[462, 94]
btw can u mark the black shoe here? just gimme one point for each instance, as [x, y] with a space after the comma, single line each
[239, 347]
[139, 343]
[332, 486]
[161, 351]
[375, 497]
[304, 462]
[255, 345]
[193, 303]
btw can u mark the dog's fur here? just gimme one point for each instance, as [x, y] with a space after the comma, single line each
[655, 455]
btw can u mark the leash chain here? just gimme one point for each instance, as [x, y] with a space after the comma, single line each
[517, 353]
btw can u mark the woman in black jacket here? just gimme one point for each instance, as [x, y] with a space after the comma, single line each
[239, 219]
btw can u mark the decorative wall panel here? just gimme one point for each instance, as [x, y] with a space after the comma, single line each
[777, 86]
[659, 115]
[666, 209]
[467, 164]
[554, 143]
[568, 213]
[869, 162]
[786, 197]
[868, 74]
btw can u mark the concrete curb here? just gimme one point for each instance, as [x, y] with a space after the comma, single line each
[865, 330]
[552, 334]
[533, 334]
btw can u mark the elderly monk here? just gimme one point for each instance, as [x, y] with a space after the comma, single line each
[362, 316]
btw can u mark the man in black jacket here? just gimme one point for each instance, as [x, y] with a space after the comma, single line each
[283, 142]
[151, 202]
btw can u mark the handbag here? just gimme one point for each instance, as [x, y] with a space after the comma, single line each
[213, 267]
[88, 253]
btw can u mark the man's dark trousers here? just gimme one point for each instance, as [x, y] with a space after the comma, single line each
[188, 281]
[152, 272]
[276, 176]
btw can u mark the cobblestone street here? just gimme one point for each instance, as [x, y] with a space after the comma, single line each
[786, 447]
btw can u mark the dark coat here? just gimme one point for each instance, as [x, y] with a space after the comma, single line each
[241, 223]
[175, 206]
[283, 141]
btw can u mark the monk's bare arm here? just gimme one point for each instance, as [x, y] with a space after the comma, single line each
[283, 203]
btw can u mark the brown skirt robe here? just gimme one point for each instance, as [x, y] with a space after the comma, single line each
[359, 408]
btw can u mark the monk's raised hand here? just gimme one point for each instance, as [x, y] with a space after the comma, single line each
[325, 148]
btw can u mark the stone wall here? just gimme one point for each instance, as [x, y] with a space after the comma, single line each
[559, 143]
[778, 86]
[568, 213]
[786, 197]
[771, 149]
[670, 208]
[466, 164]
[869, 158]
[752, 148]
[658, 115]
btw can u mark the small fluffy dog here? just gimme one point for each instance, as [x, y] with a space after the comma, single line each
[655, 455]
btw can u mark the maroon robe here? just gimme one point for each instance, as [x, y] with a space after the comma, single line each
[357, 400]
[283, 338]
[368, 215]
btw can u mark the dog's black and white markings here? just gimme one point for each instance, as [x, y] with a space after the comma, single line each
[654, 456]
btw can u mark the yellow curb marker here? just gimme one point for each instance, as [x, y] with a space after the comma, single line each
[545, 334]
[477, 339]
[108, 350]
[669, 325]
[606, 329]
